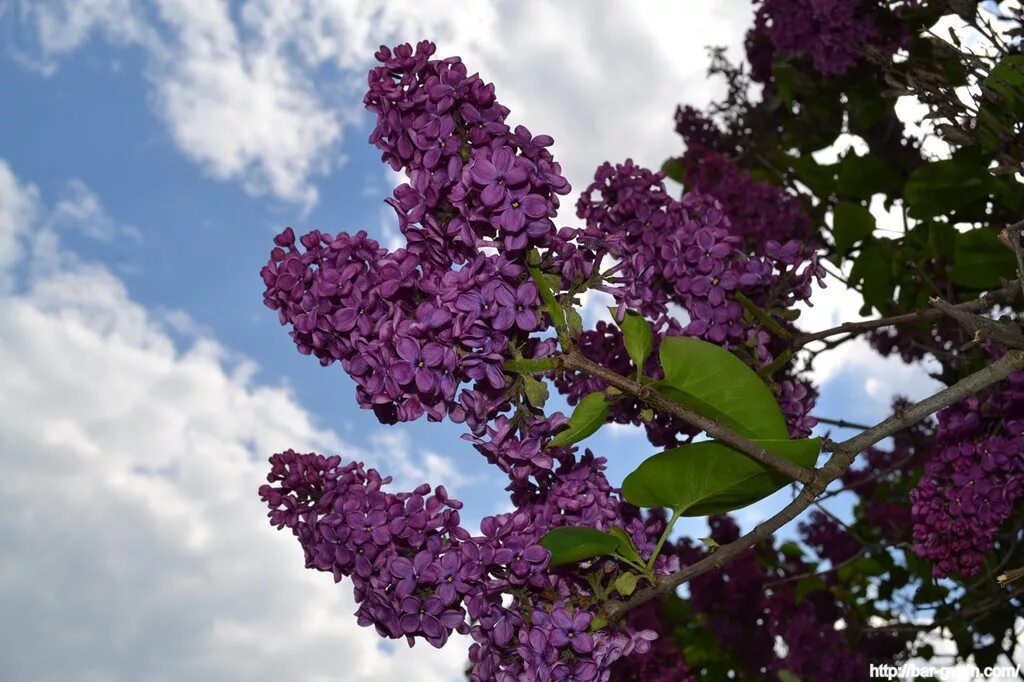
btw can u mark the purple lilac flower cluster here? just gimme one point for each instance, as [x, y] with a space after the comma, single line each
[411, 564]
[413, 326]
[409, 334]
[973, 479]
[831, 541]
[686, 253]
[758, 211]
[417, 573]
[831, 33]
[751, 609]
[473, 182]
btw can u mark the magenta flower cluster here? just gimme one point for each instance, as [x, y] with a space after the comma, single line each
[750, 610]
[690, 254]
[426, 329]
[414, 326]
[832, 34]
[418, 574]
[973, 479]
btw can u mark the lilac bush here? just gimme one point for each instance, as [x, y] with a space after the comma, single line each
[476, 314]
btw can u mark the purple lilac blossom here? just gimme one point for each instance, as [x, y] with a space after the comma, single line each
[973, 479]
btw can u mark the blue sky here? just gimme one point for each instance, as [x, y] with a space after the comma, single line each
[149, 152]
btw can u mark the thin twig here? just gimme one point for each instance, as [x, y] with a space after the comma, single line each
[817, 574]
[1004, 295]
[841, 423]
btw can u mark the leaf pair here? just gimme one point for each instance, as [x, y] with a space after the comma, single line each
[710, 477]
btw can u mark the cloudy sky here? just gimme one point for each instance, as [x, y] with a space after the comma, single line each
[148, 153]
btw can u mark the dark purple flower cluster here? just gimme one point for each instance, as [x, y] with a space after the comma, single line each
[973, 479]
[411, 564]
[662, 662]
[759, 211]
[473, 182]
[409, 334]
[831, 541]
[832, 34]
[414, 325]
[685, 253]
[417, 573]
[751, 610]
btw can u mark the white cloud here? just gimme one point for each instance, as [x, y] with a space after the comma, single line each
[263, 99]
[82, 210]
[135, 544]
[19, 205]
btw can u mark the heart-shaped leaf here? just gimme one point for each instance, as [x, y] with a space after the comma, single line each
[571, 544]
[587, 418]
[717, 384]
[700, 479]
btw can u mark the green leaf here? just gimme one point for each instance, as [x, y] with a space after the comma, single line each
[571, 544]
[673, 169]
[700, 479]
[784, 74]
[861, 177]
[717, 384]
[589, 415]
[555, 309]
[536, 391]
[627, 550]
[941, 187]
[786, 676]
[625, 584]
[574, 323]
[637, 336]
[865, 566]
[851, 223]
[873, 271]
[804, 586]
[531, 365]
[980, 260]
[1002, 102]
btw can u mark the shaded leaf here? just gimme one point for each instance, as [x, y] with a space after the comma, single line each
[980, 260]
[531, 365]
[941, 187]
[851, 223]
[625, 584]
[555, 309]
[627, 550]
[673, 169]
[536, 391]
